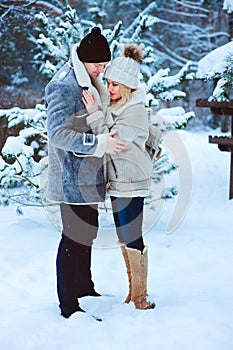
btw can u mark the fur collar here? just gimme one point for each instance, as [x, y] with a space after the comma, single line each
[138, 97]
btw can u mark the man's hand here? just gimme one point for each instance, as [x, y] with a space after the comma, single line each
[114, 145]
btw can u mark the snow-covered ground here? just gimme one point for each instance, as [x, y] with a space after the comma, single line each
[190, 275]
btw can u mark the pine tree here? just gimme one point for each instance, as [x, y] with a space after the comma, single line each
[224, 79]
[20, 164]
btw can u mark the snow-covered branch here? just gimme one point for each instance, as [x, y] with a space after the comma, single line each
[55, 8]
[228, 6]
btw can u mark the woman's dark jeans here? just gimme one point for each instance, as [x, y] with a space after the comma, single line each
[128, 217]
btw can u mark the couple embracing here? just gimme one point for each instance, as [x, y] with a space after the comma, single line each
[97, 144]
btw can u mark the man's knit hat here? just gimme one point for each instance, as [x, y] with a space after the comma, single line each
[94, 48]
[125, 70]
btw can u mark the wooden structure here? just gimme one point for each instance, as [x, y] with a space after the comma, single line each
[225, 143]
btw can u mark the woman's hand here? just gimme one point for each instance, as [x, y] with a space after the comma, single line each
[89, 102]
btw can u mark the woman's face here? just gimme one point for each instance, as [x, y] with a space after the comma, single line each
[114, 90]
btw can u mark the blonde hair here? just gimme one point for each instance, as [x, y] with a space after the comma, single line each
[125, 95]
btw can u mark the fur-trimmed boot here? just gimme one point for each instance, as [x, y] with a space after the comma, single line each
[138, 263]
[126, 259]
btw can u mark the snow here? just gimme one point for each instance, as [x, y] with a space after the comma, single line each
[214, 61]
[228, 6]
[190, 275]
[15, 146]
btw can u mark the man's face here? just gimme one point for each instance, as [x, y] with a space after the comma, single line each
[95, 69]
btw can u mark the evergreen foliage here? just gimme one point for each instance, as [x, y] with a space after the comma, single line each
[224, 79]
[22, 153]
[54, 45]
[19, 162]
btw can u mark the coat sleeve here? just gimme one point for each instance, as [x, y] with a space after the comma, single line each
[96, 121]
[61, 107]
[132, 123]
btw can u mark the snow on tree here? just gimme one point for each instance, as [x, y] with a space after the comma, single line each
[224, 85]
[228, 6]
[19, 163]
[218, 66]
[53, 47]
[182, 31]
[20, 169]
[60, 34]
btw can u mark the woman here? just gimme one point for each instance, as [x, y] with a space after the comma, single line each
[129, 173]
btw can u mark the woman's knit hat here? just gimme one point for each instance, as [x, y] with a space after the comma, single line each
[125, 70]
[94, 48]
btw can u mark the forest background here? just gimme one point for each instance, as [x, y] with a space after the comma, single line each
[182, 31]
[189, 274]
[36, 39]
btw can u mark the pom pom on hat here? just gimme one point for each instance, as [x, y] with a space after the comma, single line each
[125, 70]
[94, 47]
[133, 51]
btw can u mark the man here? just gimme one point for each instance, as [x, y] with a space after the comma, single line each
[76, 170]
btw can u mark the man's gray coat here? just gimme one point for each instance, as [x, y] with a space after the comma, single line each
[76, 171]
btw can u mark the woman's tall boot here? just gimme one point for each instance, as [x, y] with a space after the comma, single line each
[127, 265]
[138, 262]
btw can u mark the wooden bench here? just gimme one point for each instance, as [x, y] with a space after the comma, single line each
[225, 143]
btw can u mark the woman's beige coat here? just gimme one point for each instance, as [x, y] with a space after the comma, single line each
[128, 172]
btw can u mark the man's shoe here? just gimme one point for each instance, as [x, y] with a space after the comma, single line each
[67, 313]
